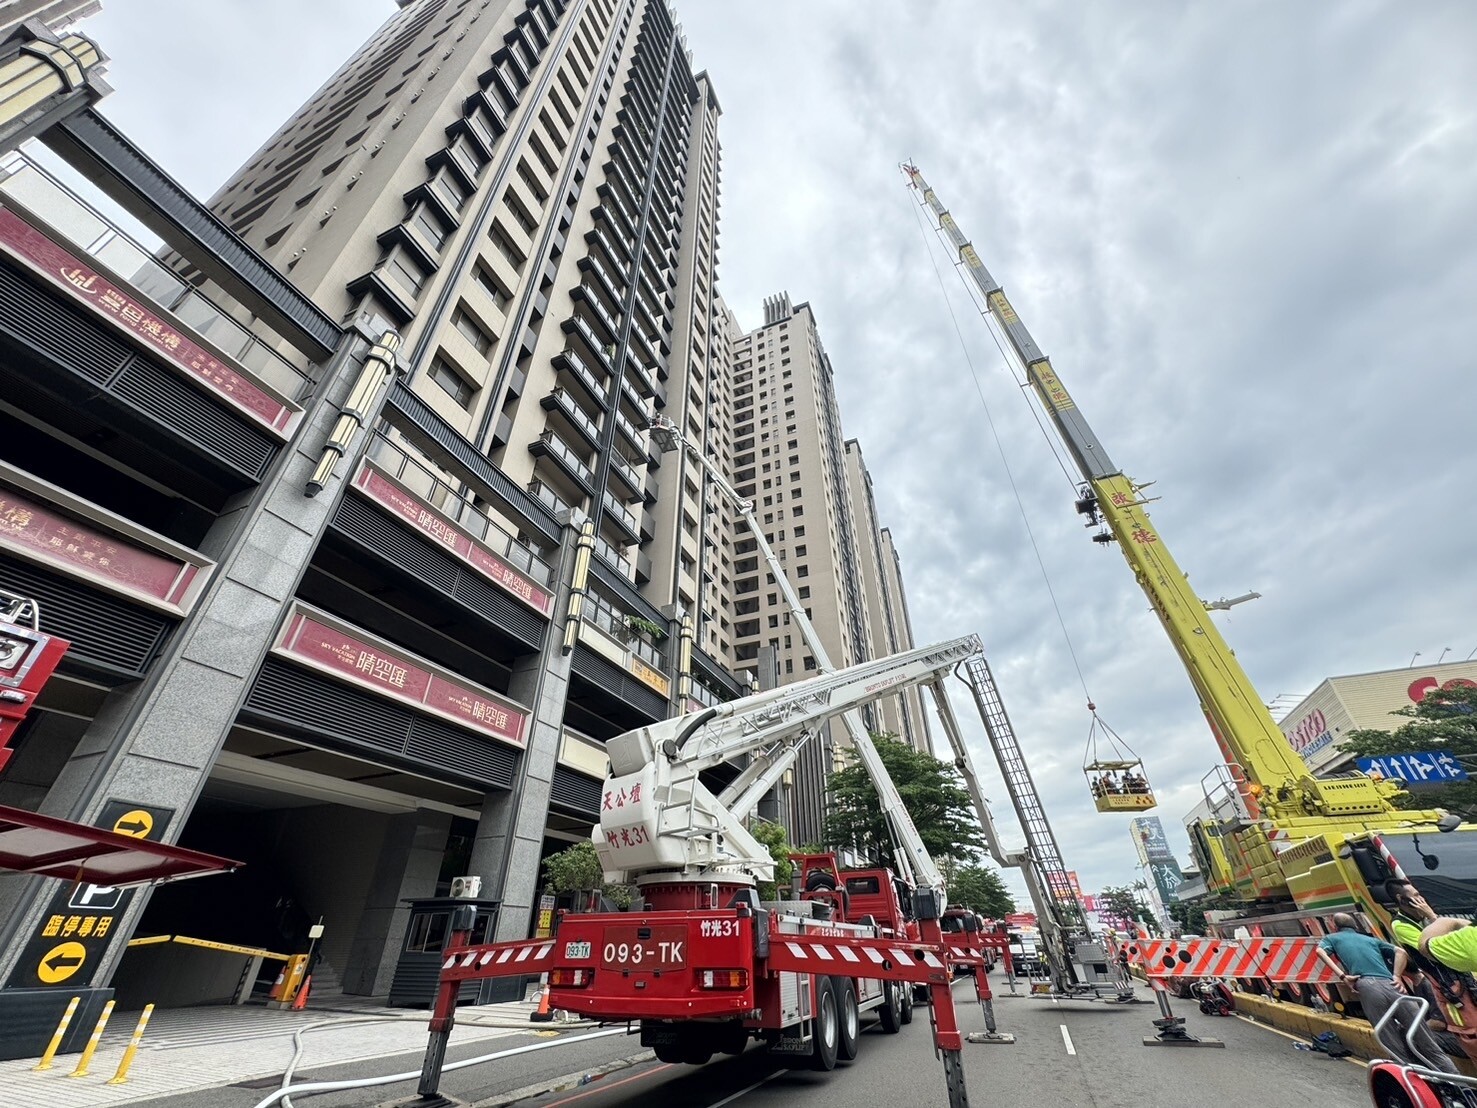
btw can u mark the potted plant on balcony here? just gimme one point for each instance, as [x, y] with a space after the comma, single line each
[651, 632]
[576, 870]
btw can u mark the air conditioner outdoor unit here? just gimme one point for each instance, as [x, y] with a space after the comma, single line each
[466, 888]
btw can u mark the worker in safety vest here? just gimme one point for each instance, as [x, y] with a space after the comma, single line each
[1429, 979]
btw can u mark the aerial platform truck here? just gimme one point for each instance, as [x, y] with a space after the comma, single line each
[699, 962]
[1291, 847]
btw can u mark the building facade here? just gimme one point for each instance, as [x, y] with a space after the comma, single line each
[343, 492]
[811, 493]
[1362, 701]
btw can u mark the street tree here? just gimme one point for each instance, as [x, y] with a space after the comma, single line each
[980, 888]
[1123, 903]
[774, 838]
[1445, 719]
[931, 790]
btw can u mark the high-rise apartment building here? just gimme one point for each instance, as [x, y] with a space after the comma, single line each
[346, 502]
[399, 650]
[790, 457]
[883, 601]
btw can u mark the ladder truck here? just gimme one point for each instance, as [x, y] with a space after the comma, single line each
[700, 963]
[1291, 847]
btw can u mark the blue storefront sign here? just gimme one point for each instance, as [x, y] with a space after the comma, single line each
[1436, 767]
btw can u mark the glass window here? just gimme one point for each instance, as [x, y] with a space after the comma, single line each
[427, 933]
[468, 328]
[456, 386]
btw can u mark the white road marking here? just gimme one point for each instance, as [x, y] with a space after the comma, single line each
[731, 1097]
[1067, 1038]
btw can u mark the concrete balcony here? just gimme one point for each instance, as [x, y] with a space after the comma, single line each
[550, 445]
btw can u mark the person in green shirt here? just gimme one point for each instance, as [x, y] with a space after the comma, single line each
[1429, 979]
[1364, 963]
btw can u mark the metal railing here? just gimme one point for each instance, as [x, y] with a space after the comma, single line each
[417, 475]
[600, 613]
[560, 449]
[84, 227]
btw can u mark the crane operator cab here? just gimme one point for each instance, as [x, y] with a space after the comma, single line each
[1114, 773]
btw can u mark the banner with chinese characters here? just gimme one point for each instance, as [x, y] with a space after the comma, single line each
[29, 527]
[404, 504]
[365, 661]
[136, 316]
[648, 675]
[69, 944]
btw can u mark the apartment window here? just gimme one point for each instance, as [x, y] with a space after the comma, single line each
[789, 667]
[800, 551]
[429, 228]
[470, 331]
[505, 247]
[809, 662]
[490, 286]
[450, 191]
[521, 216]
[800, 531]
[456, 386]
[774, 621]
[803, 593]
[802, 571]
[406, 273]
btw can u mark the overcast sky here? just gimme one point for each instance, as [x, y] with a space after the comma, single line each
[1244, 232]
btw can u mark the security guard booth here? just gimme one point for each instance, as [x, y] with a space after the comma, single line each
[418, 971]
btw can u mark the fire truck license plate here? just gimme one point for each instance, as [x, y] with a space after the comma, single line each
[644, 947]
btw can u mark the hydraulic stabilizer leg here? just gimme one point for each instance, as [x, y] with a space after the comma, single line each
[443, 1018]
[946, 1039]
[1170, 1027]
[982, 991]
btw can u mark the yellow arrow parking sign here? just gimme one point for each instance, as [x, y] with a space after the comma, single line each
[60, 962]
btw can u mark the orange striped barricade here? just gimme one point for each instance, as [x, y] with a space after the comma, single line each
[1277, 962]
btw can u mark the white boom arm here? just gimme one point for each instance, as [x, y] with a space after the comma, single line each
[656, 816]
[913, 860]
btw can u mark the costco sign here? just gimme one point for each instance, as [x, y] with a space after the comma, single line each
[1310, 734]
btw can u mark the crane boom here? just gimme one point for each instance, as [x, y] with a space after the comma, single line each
[1272, 780]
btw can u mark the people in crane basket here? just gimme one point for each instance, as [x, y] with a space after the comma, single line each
[1106, 785]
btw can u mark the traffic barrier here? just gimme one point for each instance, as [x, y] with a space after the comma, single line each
[1281, 961]
[56, 1040]
[97, 1033]
[121, 1075]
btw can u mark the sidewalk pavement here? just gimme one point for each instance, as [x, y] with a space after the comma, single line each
[190, 1049]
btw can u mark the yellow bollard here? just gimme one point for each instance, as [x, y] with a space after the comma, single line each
[138, 1036]
[56, 1040]
[97, 1033]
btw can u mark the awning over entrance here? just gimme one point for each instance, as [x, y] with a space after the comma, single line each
[50, 847]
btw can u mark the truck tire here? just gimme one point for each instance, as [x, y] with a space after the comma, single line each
[906, 994]
[825, 1026]
[891, 1011]
[849, 1042]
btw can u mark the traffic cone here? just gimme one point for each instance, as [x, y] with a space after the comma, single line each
[276, 992]
[301, 1000]
[543, 1015]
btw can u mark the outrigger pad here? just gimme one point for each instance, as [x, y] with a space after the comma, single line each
[997, 1038]
[1188, 1040]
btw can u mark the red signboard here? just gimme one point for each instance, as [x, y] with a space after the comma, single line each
[132, 315]
[403, 503]
[25, 524]
[27, 659]
[390, 674]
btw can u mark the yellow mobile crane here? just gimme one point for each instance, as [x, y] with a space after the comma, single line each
[1278, 834]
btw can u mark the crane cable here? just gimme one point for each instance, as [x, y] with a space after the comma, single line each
[1004, 461]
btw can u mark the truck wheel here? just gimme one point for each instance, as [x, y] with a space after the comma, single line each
[825, 1026]
[850, 1041]
[891, 1011]
[906, 993]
